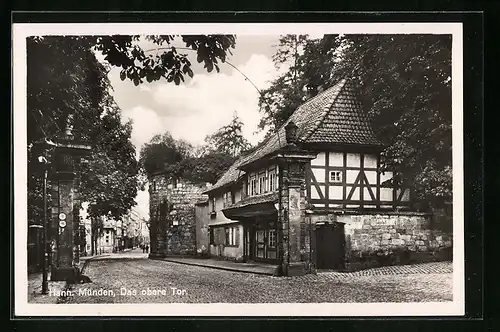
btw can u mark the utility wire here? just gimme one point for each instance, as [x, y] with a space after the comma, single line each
[230, 64]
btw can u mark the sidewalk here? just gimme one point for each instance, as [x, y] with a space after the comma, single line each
[269, 269]
[55, 287]
[255, 268]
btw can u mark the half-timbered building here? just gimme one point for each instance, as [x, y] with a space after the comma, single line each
[314, 196]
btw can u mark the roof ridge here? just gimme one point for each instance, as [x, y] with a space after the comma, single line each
[326, 109]
[315, 97]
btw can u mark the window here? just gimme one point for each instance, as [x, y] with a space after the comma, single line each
[272, 238]
[272, 181]
[262, 184]
[212, 204]
[153, 185]
[253, 186]
[336, 176]
[228, 198]
[230, 236]
[107, 239]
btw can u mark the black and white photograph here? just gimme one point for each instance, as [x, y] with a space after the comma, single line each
[238, 169]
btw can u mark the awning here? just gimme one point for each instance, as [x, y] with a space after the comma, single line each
[261, 205]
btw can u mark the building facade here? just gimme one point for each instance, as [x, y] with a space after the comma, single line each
[172, 216]
[314, 196]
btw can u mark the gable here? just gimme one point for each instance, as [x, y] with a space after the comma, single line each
[334, 116]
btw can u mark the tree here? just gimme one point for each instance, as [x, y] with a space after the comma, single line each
[405, 84]
[207, 168]
[109, 178]
[163, 153]
[66, 80]
[287, 92]
[199, 165]
[63, 77]
[228, 139]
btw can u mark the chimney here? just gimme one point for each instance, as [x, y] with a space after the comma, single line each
[291, 132]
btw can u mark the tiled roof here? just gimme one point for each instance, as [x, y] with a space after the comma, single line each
[333, 116]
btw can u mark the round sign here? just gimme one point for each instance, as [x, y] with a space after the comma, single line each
[62, 216]
[62, 223]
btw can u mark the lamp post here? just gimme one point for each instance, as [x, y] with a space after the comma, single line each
[45, 283]
[46, 145]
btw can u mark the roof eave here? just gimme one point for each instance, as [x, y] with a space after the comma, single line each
[221, 187]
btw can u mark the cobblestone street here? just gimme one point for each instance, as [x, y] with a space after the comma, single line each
[132, 278]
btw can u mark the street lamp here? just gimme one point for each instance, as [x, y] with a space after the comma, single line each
[46, 145]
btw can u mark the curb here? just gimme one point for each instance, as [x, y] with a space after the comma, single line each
[216, 267]
[82, 269]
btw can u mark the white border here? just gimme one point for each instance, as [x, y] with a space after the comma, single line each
[23, 308]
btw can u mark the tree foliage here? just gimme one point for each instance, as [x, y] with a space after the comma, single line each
[166, 62]
[109, 178]
[199, 165]
[405, 84]
[207, 168]
[65, 80]
[228, 139]
[163, 153]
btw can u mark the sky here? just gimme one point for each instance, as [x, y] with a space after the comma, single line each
[203, 104]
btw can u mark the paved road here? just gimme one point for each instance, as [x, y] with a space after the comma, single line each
[132, 278]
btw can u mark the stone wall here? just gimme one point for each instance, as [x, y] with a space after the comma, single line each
[173, 216]
[391, 238]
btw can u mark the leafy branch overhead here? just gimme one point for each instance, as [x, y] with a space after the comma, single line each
[164, 61]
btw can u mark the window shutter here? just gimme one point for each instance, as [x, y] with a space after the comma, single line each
[237, 236]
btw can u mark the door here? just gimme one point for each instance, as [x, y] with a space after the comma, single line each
[330, 246]
[249, 243]
[260, 244]
[246, 243]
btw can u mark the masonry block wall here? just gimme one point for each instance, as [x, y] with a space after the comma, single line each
[175, 220]
[380, 239]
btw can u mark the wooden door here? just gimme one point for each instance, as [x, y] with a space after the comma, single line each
[249, 241]
[260, 244]
[330, 246]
